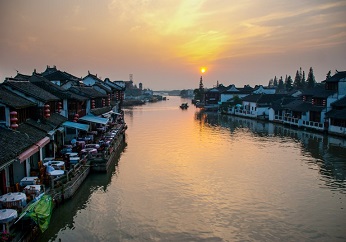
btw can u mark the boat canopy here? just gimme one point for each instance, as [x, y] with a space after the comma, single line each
[76, 125]
[94, 119]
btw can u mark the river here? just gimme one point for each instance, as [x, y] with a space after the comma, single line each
[186, 175]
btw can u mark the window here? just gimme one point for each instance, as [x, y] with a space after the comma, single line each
[2, 114]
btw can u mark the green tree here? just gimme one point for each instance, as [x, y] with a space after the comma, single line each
[297, 81]
[281, 83]
[288, 83]
[311, 79]
[197, 94]
[303, 80]
[271, 83]
[275, 82]
[201, 88]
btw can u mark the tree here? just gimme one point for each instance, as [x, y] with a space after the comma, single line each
[198, 93]
[275, 82]
[281, 83]
[303, 80]
[236, 100]
[311, 79]
[201, 88]
[271, 83]
[288, 83]
[297, 81]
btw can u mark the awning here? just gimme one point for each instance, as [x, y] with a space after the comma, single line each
[43, 142]
[27, 153]
[76, 125]
[94, 119]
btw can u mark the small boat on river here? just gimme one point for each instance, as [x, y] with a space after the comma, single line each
[184, 106]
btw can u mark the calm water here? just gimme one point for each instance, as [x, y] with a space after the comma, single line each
[190, 176]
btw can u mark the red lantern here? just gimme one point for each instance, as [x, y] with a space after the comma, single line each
[46, 111]
[76, 117]
[14, 120]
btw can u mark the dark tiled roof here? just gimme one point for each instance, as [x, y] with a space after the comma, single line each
[298, 106]
[93, 77]
[40, 125]
[263, 98]
[337, 77]
[50, 87]
[34, 134]
[341, 103]
[318, 92]
[63, 77]
[103, 87]
[301, 106]
[30, 89]
[53, 122]
[49, 70]
[99, 111]
[12, 143]
[13, 100]
[56, 119]
[76, 96]
[219, 89]
[280, 103]
[252, 98]
[22, 77]
[270, 98]
[231, 89]
[87, 92]
[113, 85]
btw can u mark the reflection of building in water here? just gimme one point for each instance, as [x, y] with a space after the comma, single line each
[329, 152]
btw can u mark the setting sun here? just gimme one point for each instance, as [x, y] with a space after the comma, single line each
[203, 69]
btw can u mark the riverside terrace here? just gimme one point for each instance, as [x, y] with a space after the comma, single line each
[61, 176]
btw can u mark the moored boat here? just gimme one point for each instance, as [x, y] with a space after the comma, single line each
[110, 144]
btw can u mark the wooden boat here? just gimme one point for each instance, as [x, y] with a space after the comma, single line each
[184, 106]
[64, 187]
[101, 161]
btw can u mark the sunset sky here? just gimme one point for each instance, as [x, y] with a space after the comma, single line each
[165, 43]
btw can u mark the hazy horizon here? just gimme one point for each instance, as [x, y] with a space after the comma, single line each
[164, 44]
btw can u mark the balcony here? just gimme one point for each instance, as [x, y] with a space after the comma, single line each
[245, 113]
[313, 125]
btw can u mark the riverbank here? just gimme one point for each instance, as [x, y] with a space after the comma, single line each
[63, 187]
[190, 176]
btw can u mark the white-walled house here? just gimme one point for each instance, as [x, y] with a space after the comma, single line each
[336, 114]
[257, 105]
[264, 90]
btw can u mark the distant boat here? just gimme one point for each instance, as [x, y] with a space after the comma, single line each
[184, 106]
